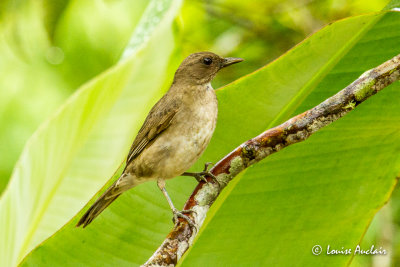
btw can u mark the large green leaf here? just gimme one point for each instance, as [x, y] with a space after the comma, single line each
[48, 48]
[74, 153]
[326, 190]
[323, 191]
[25, 78]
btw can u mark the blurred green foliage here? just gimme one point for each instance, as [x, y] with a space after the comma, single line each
[259, 30]
[48, 48]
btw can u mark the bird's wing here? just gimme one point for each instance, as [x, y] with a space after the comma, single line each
[157, 121]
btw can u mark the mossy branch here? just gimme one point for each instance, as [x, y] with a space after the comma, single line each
[295, 130]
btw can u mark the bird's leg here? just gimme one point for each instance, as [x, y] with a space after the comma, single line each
[177, 213]
[200, 176]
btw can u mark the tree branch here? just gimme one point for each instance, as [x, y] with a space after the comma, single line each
[295, 130]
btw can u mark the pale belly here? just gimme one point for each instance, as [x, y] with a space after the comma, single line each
[180, 146]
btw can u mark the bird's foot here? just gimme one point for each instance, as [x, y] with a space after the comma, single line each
[180, 214]
[201, 176]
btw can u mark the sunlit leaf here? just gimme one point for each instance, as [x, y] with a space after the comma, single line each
[75, 152]
[324, 191]
[48, 48]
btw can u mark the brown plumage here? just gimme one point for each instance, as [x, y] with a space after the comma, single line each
[175, 133]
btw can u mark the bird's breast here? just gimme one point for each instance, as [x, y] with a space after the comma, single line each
[193, 131]
[196, 124]
[183, 142]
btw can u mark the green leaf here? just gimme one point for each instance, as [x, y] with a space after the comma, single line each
[322, 191]
[75, 152]
[26, 78]
[56, 46]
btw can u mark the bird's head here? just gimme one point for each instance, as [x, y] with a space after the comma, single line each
[201, 68]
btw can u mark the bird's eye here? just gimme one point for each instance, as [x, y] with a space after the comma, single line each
[207, 61]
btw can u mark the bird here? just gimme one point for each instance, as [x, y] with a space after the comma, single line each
[174, 134]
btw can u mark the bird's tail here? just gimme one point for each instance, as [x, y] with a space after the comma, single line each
[101, 203]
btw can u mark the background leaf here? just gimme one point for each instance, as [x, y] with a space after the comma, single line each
[324, 191]
[47, 50]
[94, 128]
[58, 64]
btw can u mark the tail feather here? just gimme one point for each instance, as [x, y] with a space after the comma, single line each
[101, 203]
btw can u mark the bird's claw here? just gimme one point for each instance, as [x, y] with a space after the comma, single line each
[180, 214]
[200, 176]
[206, 166]
[206, 172]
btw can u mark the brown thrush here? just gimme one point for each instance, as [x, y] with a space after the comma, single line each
[175, 133]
